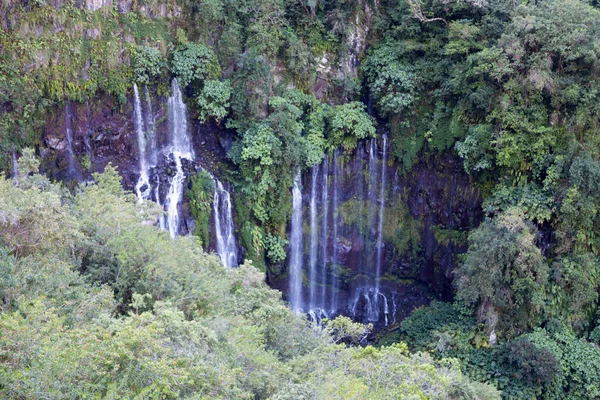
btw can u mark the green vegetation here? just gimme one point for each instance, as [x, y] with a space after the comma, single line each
[94, 302]
[97, 303]
[201, 197]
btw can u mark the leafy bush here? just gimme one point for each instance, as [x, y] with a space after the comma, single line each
[194, 63]
[532, 365]
[503, 276]
[349, 123]
[148, 64]
[213, 100]
[275, 248]
[201, 200]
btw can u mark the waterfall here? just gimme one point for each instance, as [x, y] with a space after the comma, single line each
[313, 236]
[14, 165]
[224, 230]
[324, 231]
[149, 125]
[372, 190]
[379, 259]
[142, 188]
[88, 131]
[162, 223]
[69, 137]
[345, 216]
[334, 215]
[296, 248]
[180, 149]
[360, 191]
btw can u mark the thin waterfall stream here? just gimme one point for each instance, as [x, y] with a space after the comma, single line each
[69, 137]
[296, 247]
[227, 248]
[142, 188]
[313, 236]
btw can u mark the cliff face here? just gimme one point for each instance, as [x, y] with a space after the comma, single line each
[426, 213]
[385, 243]
[80, 139]
[375, 233]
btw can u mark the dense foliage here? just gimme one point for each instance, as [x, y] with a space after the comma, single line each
[97, 302]
[107, 306]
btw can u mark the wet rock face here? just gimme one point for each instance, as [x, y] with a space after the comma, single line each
[103, 132]
[441, 196]
[100, 134]
[426, 216]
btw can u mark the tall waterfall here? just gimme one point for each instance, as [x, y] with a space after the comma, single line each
[224, 231]
[14, 165]
[313, 236]
[344, 216]
[335, 216]
[379, 260]
[296, 248]
[69, 137]
[324, 233]
[181, 149]
[149, 125]
[372, 189]
[179, 152]
[142, 188]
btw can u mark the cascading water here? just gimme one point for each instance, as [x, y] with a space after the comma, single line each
[149, 124]
[181, 149]
[383, 185]
[334, 214]
[69, 137]
[372, 189]
[224, 231]
[296, 248]
[142, 188]
[324, 232]
[338, 215]
[178, 151]
[313, 236]
[14, 165]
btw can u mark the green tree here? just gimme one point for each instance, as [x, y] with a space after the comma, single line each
[503, 275]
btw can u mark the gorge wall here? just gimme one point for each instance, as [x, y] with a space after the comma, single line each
[365, 240]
